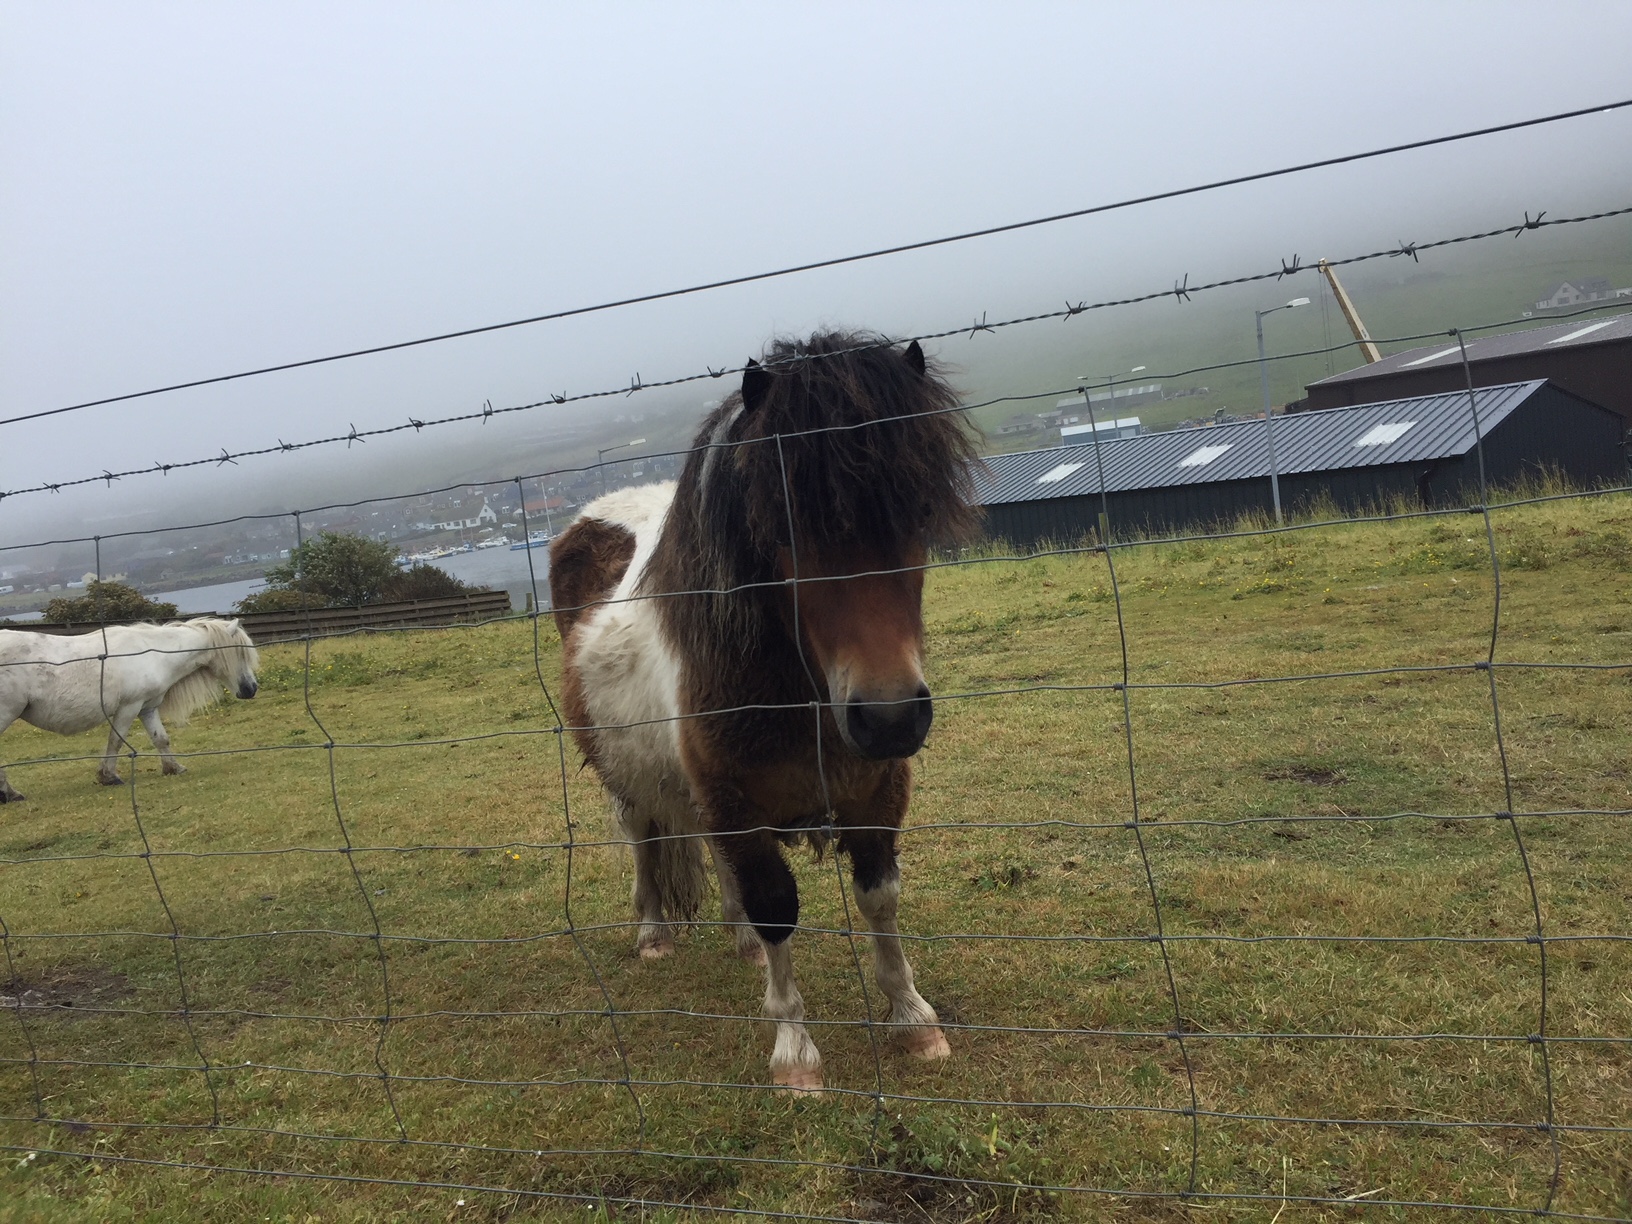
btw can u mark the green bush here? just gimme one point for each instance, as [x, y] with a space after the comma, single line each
[423, 581]
[281, 599]
[346, 570]
[106, 601]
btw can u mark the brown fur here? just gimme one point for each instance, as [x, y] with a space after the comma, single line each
[587, 561]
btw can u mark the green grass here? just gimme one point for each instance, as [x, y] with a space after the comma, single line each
[1025, 796]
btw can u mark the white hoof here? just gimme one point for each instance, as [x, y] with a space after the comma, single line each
[800, 1081]
[926, 1043]
[655, 949]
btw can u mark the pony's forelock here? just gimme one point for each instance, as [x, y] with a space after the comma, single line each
[869, 449]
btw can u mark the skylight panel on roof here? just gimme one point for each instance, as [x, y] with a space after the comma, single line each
[1203, 455]
[1582, 331]
[1432, 357]
[1382, 435]
[1058, 473]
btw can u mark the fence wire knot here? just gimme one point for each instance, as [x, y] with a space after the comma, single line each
[1181, 291]
[1289, 269]
[1528, 223]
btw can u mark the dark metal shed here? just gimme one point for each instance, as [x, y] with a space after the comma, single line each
[1422, 448]
[1591, 357]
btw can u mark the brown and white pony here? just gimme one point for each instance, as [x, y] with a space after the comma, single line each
[709, 624]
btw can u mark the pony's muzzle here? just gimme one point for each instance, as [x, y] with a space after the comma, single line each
[247, 689]
[883, 730]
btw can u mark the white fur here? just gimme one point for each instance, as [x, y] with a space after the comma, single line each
[629, 674]
[69, 684]
[716, 444]
[631, 686]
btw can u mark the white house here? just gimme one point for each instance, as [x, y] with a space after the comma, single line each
[1573, 293]
[484, 518]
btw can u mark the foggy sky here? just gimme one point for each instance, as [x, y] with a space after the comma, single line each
[192, 189]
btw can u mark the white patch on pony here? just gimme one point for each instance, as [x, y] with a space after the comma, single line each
[716, 443]
[631, 678]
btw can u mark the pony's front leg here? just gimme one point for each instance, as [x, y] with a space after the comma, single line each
[161, 741]
[878, 890]
[770, 899]
[118, 728]
[8, 715]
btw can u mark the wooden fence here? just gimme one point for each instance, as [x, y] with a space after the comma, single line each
[268, 627]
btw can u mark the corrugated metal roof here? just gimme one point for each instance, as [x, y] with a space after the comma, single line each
[1366, 435]
[1570, 334]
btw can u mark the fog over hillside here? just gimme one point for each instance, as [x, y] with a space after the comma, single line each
[197, 191]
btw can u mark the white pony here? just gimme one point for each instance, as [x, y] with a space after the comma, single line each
[70, 684]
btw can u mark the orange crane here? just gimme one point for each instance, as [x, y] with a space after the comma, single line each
[1368, 350]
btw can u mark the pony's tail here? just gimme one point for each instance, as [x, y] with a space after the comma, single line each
[681, 875]
[676, 869]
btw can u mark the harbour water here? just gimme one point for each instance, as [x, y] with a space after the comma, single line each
[498, 568]
[486, 567]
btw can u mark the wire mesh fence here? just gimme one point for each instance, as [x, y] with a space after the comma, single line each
[1229, 891]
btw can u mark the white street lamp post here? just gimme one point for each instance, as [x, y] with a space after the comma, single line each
[1269, 415]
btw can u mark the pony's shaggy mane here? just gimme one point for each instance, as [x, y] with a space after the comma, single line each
[230, 655]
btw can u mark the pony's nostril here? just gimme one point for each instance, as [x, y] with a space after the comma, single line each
[887, 729]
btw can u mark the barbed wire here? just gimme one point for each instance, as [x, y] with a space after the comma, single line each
[1180, 292]
[838, 261]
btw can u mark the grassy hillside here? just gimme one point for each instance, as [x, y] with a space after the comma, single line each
[1320, 848]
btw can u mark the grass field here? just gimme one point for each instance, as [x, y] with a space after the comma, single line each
[1312, 843]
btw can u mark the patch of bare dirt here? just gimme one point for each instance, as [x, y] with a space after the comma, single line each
[65, 989]
[1306, 774]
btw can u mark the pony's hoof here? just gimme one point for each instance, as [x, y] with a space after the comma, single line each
[654, 951]
[10, 797]
[927, 1043]
[173, 769]
[105, 780]
[800, 1081]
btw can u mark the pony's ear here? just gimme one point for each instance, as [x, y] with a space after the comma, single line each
[756, 383]
[915, 358]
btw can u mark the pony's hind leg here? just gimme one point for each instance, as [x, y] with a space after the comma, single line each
[732, 913]
[878, 891]
[161, 741]
[655, 938]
